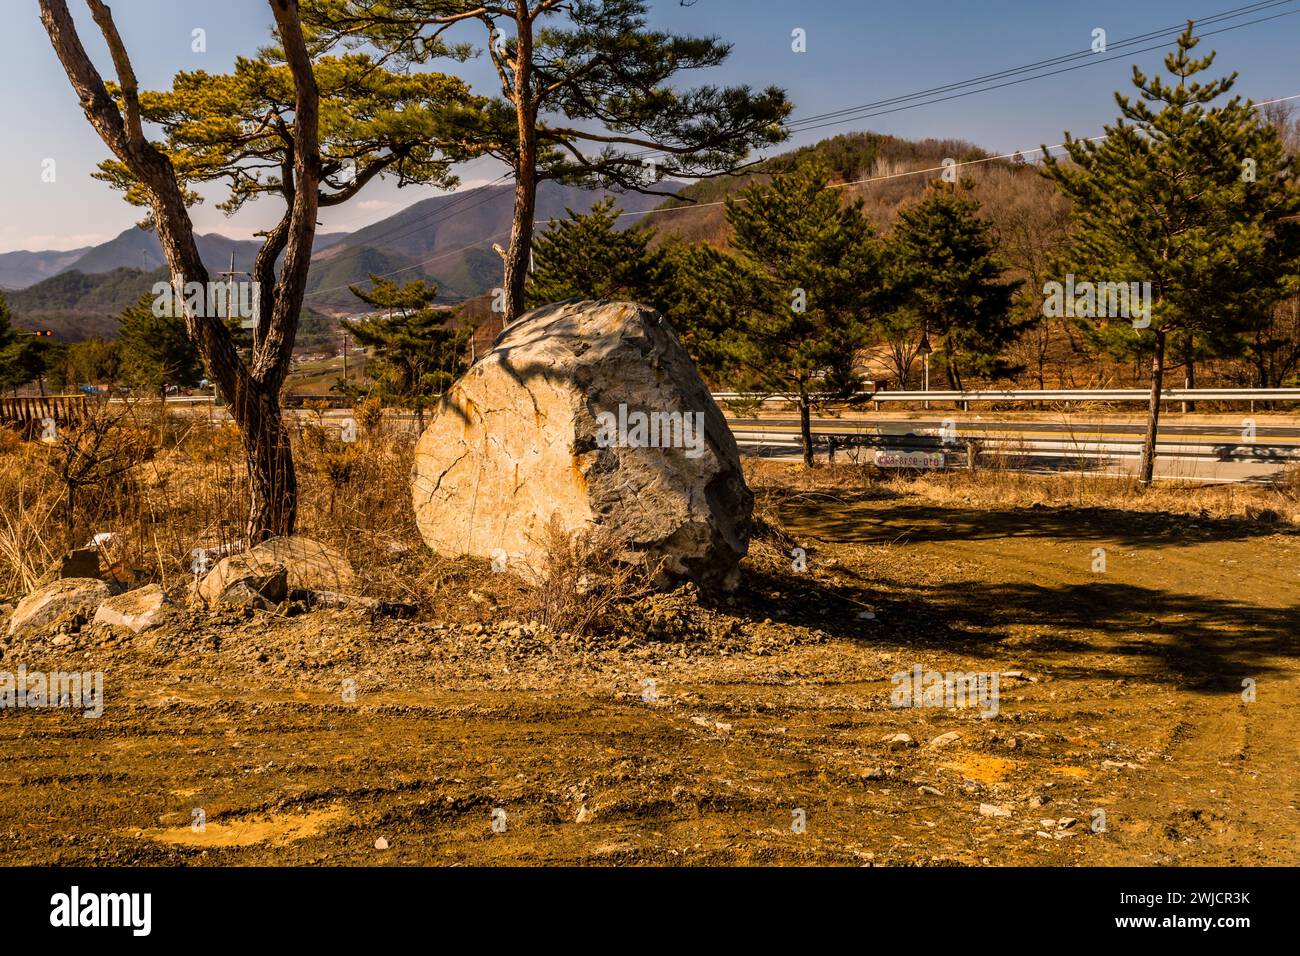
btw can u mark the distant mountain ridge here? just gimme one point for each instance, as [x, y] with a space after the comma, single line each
[133, 248]
[22, 268]
[448, 239]
[445, 239]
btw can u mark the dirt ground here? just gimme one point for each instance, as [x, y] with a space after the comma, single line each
[753, 730]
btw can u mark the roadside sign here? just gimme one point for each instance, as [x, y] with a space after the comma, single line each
[908, 459]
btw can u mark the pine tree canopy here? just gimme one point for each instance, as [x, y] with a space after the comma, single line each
[809, 265]
[1189, 196]
[156, 351]
[942, 261]
[588, 256]
[595, 68]
[22, 357]
[415, 356]
[238, 128]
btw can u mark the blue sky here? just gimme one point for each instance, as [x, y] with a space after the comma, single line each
[857, 52]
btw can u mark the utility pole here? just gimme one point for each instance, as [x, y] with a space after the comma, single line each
[246, 322]
[229, 277]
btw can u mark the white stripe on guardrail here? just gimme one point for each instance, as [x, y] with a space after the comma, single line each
[1056, 395]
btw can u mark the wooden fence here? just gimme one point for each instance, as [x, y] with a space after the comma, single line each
[28, 410]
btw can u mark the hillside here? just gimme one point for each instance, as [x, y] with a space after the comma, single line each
[445, 239]
[849, 157]
[77, 305]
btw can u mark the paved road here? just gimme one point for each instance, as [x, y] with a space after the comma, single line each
[1211, 451]
[1224, 430]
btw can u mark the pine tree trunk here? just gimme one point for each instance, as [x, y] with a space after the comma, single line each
[521, 223]
[1147, 469]
[521, 236]
[253, 392]
[272, 480]
[954, 373]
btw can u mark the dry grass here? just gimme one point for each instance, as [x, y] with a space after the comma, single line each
[189, 491]
[995, 485]
[582, 578]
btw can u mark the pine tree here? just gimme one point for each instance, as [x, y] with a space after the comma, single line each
[1192, 198]
[88, 362]
[8, 358]
[7, 335]
[587, 256]
[704, 295]
[305, 129]
[22, 357]
[156, 350]
[806, 267]
[586, 94]
[415, 355]
[942, 262]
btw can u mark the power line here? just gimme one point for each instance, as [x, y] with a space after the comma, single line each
[919, 172]
[444, 213]
[874, 108]
[1088, 55]
[1039, 76]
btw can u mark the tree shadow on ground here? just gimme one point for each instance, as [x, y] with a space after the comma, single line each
[850, 523]
[1096, 630]
[784, 497]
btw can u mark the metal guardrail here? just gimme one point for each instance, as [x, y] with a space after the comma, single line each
[1055, 395]
[1067, 446]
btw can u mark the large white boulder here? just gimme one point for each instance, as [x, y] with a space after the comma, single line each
[591, 413]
